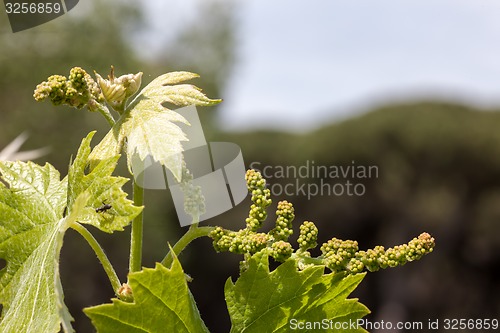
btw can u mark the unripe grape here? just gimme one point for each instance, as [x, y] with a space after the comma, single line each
[308, 236]
[281, 250]
[260, 198]
[285, 215]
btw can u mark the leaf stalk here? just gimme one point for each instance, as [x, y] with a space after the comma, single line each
[106, 264]
[193, 233]
[135, 262]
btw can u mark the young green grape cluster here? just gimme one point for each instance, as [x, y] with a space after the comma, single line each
[194, 202]
[242, 241]
[308, 236]
[260, 198]
[78, 90]
[379, 258]
[248, 241]
[284, 218]
[349, 259]
[336, 254]
[281, 250]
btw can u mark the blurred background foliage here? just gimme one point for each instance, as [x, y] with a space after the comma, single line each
[439, 170]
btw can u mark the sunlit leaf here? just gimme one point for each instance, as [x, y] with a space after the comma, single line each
[31, 233]
[108, 208]
[162, 303]
[36, 209]
[147, 127]
[263, 301]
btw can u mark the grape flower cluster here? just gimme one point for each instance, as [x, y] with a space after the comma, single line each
[78, 90]
[194, 202]
[336, 254]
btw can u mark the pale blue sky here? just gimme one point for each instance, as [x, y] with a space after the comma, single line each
[304, 63]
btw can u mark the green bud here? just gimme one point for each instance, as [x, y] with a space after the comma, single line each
[379, 258]
[370, 258]
[281, 251]
[194, 201]
[237, 243]
[355, 266]
[420, 246]
[285, 215]
[54, 89]
[125, 293]
[222, 239]
[254, 180]
[78, 90]
[255, 242]
[337, 253]
[116, 91]
[260, 198]
[308, 236]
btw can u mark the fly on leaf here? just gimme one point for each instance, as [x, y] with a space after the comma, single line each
[103, 208]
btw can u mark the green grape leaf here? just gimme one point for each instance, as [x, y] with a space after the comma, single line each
[108, 207]
[280, 301]
[31, 234]
[36, 209]
[149, 128]
[162, 303]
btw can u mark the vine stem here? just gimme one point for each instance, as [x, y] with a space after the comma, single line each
[106, 264]
[193, 233]
[136, 233]
[308, 260]
[102, 109]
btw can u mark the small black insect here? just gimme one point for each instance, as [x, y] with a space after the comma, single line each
[103, 208]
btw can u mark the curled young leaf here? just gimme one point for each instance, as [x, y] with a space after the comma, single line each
[149, 128]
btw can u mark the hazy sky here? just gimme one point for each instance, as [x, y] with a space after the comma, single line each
[303, 63]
